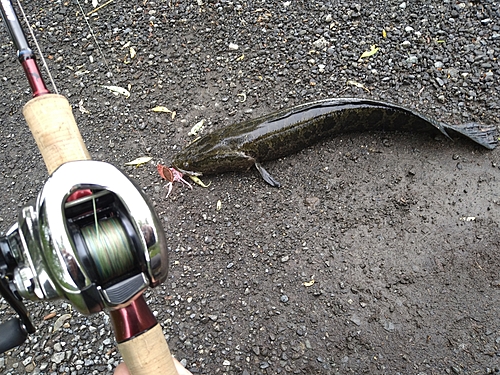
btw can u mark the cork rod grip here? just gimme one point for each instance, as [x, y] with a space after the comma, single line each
[148, 354]
[54, 128]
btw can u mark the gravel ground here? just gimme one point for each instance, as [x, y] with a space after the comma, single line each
[400, 232]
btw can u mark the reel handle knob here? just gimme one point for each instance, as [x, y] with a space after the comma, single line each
[13, 334]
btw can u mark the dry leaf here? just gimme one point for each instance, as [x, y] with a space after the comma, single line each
[357, 84]
[373, 50]
[308, 283]
[139, 161]
[161, 109]
[197, 181]
[165, 110]
[197, 127]
[82, 109]
[60, 321]
[50, 316]
[468, 218]
[118, 90]
[132, 52]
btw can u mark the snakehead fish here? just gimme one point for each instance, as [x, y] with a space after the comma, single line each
[239, 146]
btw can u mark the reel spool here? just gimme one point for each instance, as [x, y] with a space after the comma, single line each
[104, 237]
[109, 248]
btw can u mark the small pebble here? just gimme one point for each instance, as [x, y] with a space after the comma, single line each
[356, 320]
[412, 59]
[389, 326]
[439, 81]
[321, 43]
[58, 357]
[27, 361]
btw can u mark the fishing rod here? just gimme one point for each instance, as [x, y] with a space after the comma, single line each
[91, 237]
[24, 53]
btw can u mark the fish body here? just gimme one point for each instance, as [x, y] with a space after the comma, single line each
[239, 146]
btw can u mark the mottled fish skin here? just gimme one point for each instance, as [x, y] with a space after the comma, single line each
[239, 146]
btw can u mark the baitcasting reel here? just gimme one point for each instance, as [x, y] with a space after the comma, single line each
[91, 238]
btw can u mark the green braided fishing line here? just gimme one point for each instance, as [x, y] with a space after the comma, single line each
[109, 247]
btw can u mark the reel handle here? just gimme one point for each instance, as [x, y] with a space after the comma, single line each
[13, 334]
[56, 133]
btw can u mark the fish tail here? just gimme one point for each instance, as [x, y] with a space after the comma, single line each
[484, 135]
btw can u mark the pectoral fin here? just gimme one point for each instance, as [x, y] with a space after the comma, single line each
[266, 176]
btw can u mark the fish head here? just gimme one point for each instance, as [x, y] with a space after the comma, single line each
[207, 157]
